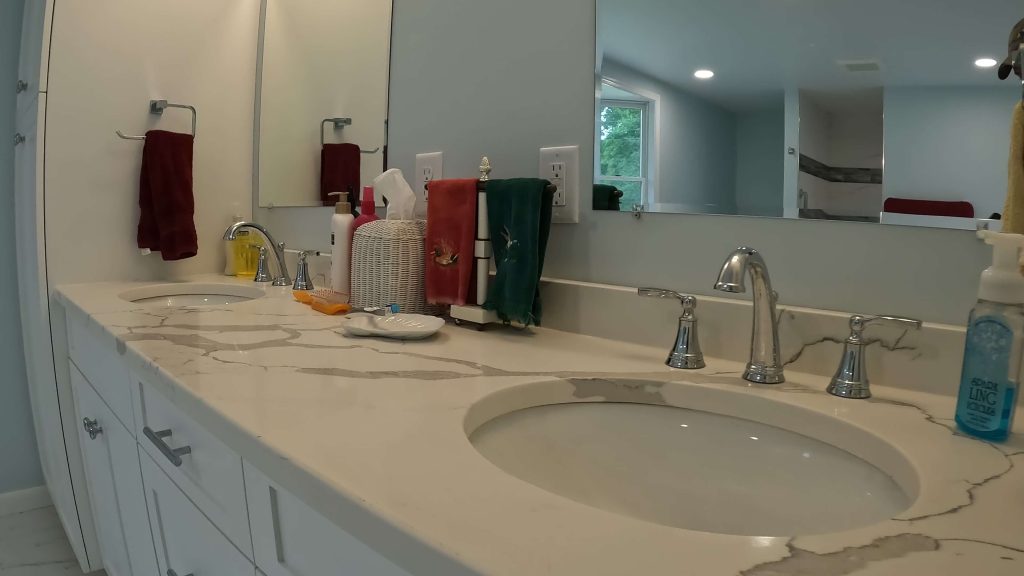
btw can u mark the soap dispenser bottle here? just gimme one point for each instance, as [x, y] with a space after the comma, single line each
[995, 341]
[341, 243]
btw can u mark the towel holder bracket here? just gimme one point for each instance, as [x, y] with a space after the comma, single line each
[157, 107]
[340, 123]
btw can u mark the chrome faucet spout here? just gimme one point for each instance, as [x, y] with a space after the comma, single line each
[764, 367]
[283, 279]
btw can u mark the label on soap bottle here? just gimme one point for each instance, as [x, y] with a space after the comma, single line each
[985, 382]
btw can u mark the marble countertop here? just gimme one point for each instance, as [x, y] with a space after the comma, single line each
[372, 434]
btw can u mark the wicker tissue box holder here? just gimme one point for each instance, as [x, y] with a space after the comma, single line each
[388, 265]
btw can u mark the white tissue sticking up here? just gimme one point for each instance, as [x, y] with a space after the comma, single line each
[401, 199]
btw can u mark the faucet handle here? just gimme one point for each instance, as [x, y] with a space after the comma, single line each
[686, 353]
[859, 323]
[688, 302]
[302, 280]
[851, 378]
[262, 269]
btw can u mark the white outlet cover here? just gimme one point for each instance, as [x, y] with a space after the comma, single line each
[429, 166]
[551, 159]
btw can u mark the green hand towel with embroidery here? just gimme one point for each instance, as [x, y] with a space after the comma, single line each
[519, 214]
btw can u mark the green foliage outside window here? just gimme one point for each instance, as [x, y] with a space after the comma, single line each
[621, 151]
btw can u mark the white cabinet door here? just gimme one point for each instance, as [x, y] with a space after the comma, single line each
[98, 435]
[291, 539]
[186, 542]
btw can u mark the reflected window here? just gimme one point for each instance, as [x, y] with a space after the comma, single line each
[623, 128]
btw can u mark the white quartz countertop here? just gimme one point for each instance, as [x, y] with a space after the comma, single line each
[372, 434]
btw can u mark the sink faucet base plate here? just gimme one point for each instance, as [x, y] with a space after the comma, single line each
[764, 374]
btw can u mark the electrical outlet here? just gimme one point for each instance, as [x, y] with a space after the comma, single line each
[428, 167]
[561, 167]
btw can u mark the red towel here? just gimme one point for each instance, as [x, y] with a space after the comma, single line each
[165, 196]
[451, 233]
[339, 171]
[958, 209]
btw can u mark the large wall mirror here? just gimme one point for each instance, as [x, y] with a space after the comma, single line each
[864, 110]
[322, 99]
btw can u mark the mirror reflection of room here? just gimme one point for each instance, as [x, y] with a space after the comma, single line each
[859, 111]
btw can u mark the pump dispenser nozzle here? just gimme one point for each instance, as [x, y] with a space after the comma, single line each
[343, 206]
[1003, 282]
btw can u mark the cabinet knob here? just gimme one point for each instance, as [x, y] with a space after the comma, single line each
[92, 427]
[19, 138]
[20, 87]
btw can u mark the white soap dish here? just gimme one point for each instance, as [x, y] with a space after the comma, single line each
[396, 326]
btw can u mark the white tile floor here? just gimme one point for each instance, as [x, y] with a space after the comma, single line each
[33, 543]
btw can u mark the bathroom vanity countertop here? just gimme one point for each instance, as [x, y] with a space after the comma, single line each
[371, 433]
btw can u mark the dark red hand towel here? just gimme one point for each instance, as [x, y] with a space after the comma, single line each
[339, 171]
[166, 223]
[451, 234]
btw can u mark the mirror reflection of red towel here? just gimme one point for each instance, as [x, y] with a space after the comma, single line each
[339, 171]
[451, 234]
[166, 223]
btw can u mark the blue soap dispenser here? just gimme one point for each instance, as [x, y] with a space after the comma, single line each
[995, 338]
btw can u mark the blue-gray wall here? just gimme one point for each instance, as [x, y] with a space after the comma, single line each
[20, 468]
[949, 144]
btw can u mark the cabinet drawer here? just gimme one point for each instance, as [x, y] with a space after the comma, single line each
[292, 539]
[205, 469]
[186, 542]
[95, 353]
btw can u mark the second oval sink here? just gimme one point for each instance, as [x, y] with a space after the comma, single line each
[192, 294]
[692, 469]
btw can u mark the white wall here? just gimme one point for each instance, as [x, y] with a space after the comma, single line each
[107, 60]
[760, 157]
[949, 144]
[317, 65]
[697, 151]
[20, 467]
[474, 77]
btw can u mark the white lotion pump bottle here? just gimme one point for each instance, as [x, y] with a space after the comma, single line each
[341, 244]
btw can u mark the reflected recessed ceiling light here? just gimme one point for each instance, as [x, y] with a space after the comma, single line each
[704, 74]
[985, 63]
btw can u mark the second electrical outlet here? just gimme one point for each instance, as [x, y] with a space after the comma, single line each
[428, 167]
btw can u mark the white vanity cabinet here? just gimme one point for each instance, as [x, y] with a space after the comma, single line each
[114, 480]
[186, 542]
[171, 498]
[292, 539]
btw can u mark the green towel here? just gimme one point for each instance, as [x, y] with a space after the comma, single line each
[605, 198]
[519, 214]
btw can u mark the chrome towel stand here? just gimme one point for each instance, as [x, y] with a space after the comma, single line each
[157, 107]
[340, 123]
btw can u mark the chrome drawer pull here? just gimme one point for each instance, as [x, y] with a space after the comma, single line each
[172, 454]
[173, 573]
[92, 427]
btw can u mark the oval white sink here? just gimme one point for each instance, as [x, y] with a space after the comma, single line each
[192, 294]
[694, 469]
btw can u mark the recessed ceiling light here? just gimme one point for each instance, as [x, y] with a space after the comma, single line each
[985, 63]
[704, 74]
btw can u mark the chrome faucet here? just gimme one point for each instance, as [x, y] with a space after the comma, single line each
[283, 279]
[764, 366]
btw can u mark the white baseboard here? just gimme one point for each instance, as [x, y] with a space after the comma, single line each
[24, 500]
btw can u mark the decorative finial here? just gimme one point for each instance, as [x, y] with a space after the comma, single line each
[485, 169]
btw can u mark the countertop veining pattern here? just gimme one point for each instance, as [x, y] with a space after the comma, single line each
[372, 433]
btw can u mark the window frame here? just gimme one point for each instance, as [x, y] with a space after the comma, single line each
[648, 103]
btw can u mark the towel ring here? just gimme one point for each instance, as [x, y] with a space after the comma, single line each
[340, 123]
[157, 107]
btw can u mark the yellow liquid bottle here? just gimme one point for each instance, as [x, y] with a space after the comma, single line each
[247, 253]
